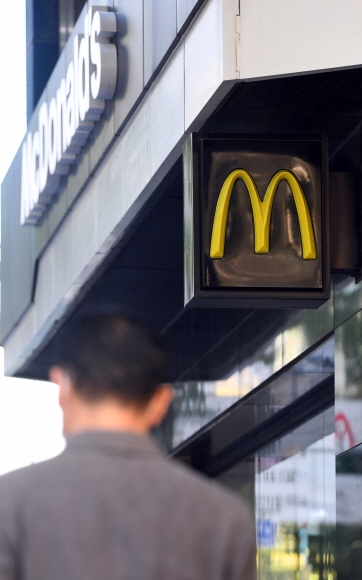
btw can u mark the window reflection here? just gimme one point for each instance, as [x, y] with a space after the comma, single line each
[348, 358]
[349, 514]
[347, 297]
[292, 491]
[197, 403]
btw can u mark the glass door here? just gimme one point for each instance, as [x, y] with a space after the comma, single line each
[290, 484]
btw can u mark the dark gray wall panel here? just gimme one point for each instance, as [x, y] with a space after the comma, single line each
[77, 177]
[130, 56]
[66, 21]
[79, 171]
[159, 32]
[57, 210]
[104, 130]
[40, 234]
[17, 252]
[53, 216]
[102, 135]
[42, 39]
[69, 11]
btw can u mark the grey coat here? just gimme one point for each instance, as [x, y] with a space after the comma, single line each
[111, 507]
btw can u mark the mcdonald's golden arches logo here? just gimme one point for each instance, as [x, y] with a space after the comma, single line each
[261, 210]
[250, 245]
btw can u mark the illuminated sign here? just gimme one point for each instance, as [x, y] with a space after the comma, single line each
[66, 119]
[262, 213]
[255, 221]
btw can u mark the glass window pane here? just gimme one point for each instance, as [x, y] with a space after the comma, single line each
[348, 381]
[290, 485]
[347, 298]
[196, 403]
[305, 328]
[349, 514]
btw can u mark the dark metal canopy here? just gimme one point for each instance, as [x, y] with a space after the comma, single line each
[144, 273]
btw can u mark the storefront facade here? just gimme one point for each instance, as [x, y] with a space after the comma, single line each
[96, 210]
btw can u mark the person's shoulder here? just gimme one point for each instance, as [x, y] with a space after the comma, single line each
[219, 517]
[22, 479]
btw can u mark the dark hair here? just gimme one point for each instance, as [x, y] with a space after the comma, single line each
[108, 354]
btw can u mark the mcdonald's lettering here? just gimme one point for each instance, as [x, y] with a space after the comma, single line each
[261, 210]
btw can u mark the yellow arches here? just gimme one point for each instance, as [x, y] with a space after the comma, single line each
[262, 213]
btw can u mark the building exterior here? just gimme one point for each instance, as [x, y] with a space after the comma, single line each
[103, 205]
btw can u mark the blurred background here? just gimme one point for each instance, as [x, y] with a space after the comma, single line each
[30, 418]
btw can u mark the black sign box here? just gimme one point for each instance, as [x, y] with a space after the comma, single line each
[255, 221]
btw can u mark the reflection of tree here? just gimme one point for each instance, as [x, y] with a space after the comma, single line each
[299, 554]
[348, 335]
[267, 355]
[164, 433]
[190, 400]
[311, 325]
[350, 344]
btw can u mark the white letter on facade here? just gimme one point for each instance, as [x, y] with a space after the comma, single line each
[83, 72]
[52, 136]
[25, 180]
[35, 178]
[70, 106]
[43, 146]
[103, 55]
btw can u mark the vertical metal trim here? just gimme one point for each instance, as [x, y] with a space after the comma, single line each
[189, 241]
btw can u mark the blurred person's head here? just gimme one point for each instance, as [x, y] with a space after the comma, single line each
[111, 373]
